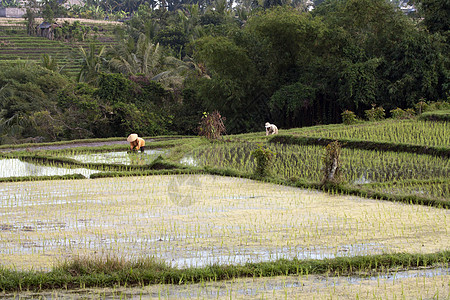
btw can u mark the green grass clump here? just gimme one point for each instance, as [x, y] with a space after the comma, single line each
[110, 272]
[39, 178]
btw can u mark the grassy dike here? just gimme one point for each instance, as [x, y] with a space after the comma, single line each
[112, 272]
[39, 178]
[363, 145]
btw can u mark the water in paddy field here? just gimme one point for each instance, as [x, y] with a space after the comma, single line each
[189, 161]
[122, 157]
[17, 168]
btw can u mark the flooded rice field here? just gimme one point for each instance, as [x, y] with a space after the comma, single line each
[197, 220]
[304, 161]
[121, 157]
[17, 168]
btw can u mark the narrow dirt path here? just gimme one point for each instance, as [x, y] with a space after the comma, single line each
[66, 146]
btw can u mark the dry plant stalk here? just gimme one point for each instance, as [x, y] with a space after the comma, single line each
[211, 125]
[332, 170]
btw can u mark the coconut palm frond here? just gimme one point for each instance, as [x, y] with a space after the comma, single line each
[160, 75]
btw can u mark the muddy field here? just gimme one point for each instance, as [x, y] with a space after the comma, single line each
[196, 220]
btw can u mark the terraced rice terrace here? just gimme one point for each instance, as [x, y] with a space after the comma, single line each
[15, 44]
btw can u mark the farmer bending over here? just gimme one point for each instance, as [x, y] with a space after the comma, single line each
[136, 142]
[271, 129]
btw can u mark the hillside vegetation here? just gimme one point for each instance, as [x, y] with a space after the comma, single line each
[165, 68]
[16, 44]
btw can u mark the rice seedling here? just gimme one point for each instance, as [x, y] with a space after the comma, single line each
[226, 221]
[432, 189]
[121, 157]
[413, 132]
[300, 161]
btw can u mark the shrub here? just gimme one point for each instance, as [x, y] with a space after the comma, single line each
[375, 113]
[410, 112]
[438, 105]
[264, 158]
[349, 117]
[399, 113]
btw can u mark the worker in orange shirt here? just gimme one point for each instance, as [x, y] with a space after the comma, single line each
[136, 143]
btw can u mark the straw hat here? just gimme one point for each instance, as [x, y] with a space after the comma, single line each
[132, 137]
[267, 124]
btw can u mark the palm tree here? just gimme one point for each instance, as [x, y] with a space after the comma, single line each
[11, 127]
[92, 63]
[48, 62]
[142, 57]
[147, 59]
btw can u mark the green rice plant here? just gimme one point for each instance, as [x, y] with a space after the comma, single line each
[431, 189]
[300, 161]
[426, 133]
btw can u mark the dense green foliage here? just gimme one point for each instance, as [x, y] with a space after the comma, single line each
[280, 64]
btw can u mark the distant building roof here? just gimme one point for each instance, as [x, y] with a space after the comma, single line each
[45, 25]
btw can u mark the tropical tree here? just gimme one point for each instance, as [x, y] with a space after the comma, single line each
[28, 93]
[142, 57]
[92, 63]
[51, 63]
[147, 59]
[436, 14]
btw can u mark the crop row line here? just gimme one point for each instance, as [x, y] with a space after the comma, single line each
[362, 144]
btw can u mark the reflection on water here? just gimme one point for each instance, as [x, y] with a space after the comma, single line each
[123, 157]
[17, 168]
[189, 161]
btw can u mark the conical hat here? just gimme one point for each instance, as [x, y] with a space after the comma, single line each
[132, 137]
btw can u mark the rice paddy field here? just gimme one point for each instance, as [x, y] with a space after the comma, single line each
[195, 221]
[361, 167]
[413, 132]
[15, 44]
